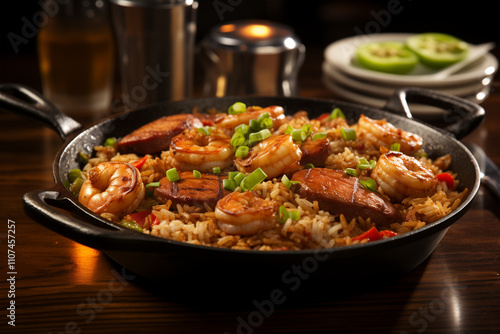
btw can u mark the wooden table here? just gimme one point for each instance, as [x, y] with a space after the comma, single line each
[64, 287]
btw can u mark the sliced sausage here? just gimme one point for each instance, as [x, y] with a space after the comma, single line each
[191, 190]
[155, 137]
[337, 192]
[315, 151]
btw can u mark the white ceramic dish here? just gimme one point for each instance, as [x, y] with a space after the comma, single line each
[385, 91]
[340, 55]
[417, 109]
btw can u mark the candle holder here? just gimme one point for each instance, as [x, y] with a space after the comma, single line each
[251, 58]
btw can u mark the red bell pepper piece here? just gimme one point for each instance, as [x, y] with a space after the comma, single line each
[140, 217]
[372, 235]
[141, 162]
[154, 220]
[387, 233]
[445, 177]
[323, 116]
[207, 122]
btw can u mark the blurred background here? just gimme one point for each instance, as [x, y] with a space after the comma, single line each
[316, 22]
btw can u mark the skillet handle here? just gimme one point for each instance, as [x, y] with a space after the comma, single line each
[101, 235]
[461, 117]
[27, 102]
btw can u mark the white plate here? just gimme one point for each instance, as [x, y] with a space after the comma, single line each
[385, 91]
[416, 109]
[341, 54]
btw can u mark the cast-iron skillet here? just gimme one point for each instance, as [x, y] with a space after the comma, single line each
[163, 259]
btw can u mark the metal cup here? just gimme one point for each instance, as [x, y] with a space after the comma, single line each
[155, 41]
[251, 57]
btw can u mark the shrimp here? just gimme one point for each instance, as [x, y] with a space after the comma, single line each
[400, 176]
[275, 155]
[112, 187]
[230, 122]
[245, 213]
[383, 133]
[195, 150]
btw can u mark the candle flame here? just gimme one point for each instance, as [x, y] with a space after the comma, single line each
[257, 30]
[228, 28]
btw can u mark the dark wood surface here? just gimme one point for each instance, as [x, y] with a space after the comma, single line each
[64, 287]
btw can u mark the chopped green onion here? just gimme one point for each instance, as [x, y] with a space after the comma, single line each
[243, 128]
[205, 130]
[110, 142]
[237, 139]
[153, 184]
[229, 184]
[131, 225]
[254, 125]
[216, 170]
[263, 116]
[284, 214]
[231, 175]
[83, 157]
[172, 175]
[396, 147]
[299, 135]
[364, 164]
[75, 187]
[309, 165]
[369, 184]
[197, 174]
[307, 129]
[253, 179]
[351, 171]
[237, 108]
[241, 152]
[348, 133]
[266, 123]
[319, 135]
[289, 130]
[286, 181]
[259, 136]
[74, 174]
[239, 177]
[336, 113]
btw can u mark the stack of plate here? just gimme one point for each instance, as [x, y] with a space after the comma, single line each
[349, 81]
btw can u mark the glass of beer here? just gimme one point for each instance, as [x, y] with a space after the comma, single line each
[76, 55]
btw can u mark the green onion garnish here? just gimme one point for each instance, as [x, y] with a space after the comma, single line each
[110, 142]
[396, 147]
[74, 174]
[364, 164]
[205, 130]
[196, 174]
[239, 177]
[263, 116]
[231, 175]
[289, 130]
[153, 184]
[254, 125]
[229, 184]
[216, 170]
[351, 171]
[348, 133]
[284, 214]
[286, 181]
[319, 135]
[299, 135]
[336, 113]
[83, 157]
[172, 175]
[241, 152]
[266, 123]
[243, 128]
[369, 184]
[307, 129]
[237, 108]
[259, 136]
[131, 225]
[237, 139]
[309, 165]
[253, 179]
